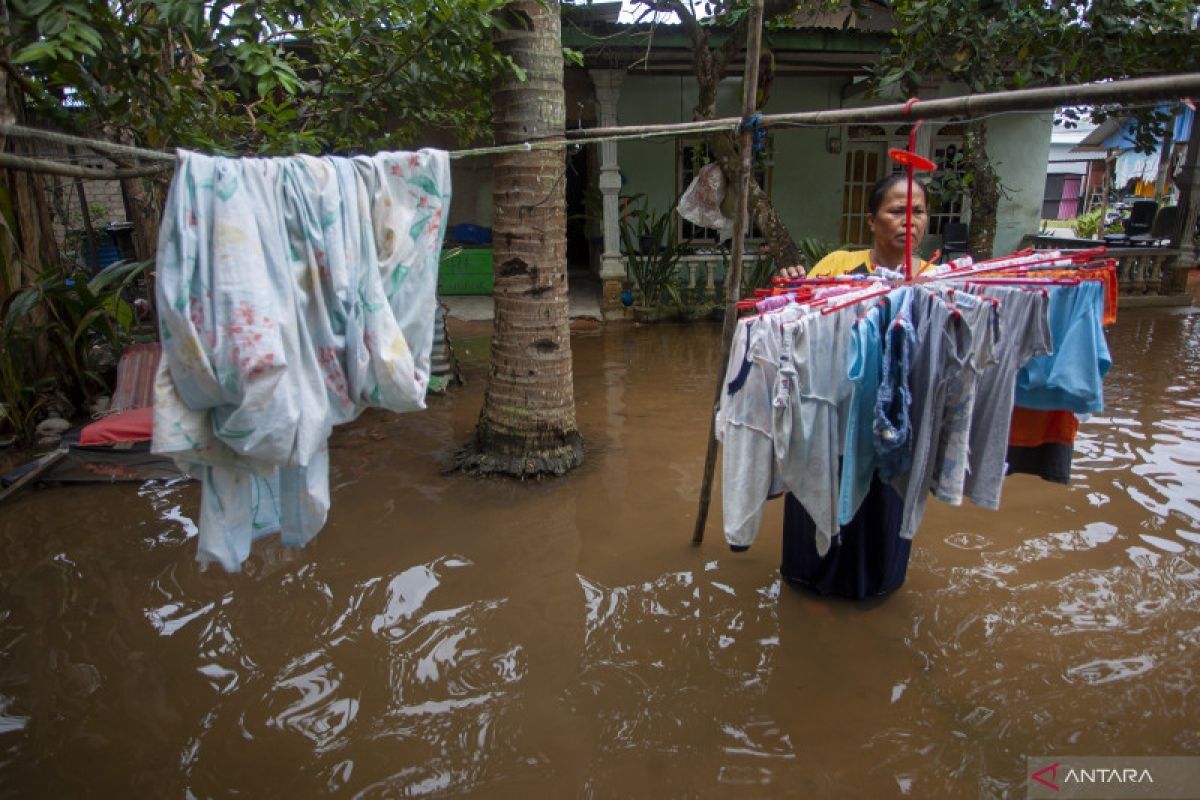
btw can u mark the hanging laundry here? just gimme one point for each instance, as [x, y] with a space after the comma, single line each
[1042, 443]
[745, 425]
[981, 318]
[812, 404]
[892, 426]
[292, 293]
[1024, 333]
[944, 344]
[1072, 377]
[860, 459]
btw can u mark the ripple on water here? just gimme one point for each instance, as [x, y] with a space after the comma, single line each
[968, 541]
[1165, 545]
[1108, 670]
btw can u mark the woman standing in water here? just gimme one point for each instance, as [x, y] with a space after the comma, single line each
[868, 557]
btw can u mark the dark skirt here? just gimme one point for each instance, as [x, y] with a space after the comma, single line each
[868, 558]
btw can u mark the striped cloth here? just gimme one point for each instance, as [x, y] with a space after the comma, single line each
[135, 377]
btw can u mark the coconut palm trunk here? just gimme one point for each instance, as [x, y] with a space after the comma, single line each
[527, 426]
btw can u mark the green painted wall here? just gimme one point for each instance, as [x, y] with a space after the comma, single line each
[1019, 147]
[806, 178]
[806, 181]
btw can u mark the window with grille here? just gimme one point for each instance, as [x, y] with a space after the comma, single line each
[690, 156]
[946, 209]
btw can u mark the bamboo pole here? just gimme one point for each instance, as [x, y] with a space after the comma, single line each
[1047, 98]
[1124, 92]
[733, 279]
[25, 164]
[93, 258]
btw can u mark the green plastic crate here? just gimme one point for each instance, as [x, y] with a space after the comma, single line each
[466, 271]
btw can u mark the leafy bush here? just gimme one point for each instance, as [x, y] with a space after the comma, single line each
[1085, 225]
[53, 334]
[814, 249]
[756, 274]
[651, 243]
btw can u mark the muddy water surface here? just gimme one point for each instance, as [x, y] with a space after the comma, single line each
[446, 636]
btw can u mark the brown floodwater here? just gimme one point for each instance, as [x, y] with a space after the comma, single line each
[449, 636]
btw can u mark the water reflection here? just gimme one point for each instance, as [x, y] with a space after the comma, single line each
[448, 637]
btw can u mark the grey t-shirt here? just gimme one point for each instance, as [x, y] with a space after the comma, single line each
[943, 346]
[982, 317]
[1024, 333]
[745, 421]
[812, 405]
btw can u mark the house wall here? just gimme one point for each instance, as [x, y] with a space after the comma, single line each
[1018, 146]
[806, 181]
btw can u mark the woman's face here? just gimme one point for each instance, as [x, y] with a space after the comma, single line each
[887, 224]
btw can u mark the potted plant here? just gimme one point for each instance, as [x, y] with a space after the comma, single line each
[650, 241]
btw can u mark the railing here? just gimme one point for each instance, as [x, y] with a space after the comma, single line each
[1159, 272]
[707, 270]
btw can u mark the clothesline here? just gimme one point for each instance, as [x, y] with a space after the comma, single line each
[1132, 93]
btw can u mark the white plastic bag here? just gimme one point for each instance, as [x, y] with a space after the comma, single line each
[701, 201]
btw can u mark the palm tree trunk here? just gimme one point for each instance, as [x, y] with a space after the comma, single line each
[527, 426]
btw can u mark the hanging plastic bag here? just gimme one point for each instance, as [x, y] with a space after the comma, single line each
[702, 200]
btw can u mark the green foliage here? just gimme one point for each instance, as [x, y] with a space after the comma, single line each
[53, 333]
[266, 76]
[21, 387]
[1086, 225]
[756, 274]
[650, 241]
[814, 250]
[990, 45]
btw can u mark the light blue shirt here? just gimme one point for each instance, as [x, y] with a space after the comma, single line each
[1072, 377]
[859, 458]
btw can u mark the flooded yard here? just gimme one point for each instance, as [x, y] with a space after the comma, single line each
[448, 636]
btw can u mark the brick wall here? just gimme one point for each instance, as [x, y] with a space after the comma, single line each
[103, 198]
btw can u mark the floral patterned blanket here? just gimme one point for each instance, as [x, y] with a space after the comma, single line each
[292, 293]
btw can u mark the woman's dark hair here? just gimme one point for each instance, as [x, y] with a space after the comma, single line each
[884, 184]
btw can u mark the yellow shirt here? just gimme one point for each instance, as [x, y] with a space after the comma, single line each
[847, 262]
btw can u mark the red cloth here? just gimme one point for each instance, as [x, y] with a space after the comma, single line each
[1031, 427]
[128, 426]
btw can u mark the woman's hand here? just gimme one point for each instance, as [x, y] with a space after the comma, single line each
[791, 273]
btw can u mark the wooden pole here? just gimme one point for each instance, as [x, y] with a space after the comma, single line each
[92, 261]
[1103, 198]
[733, 280]
[1185, 235]
[44, 463]
[41, 165]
